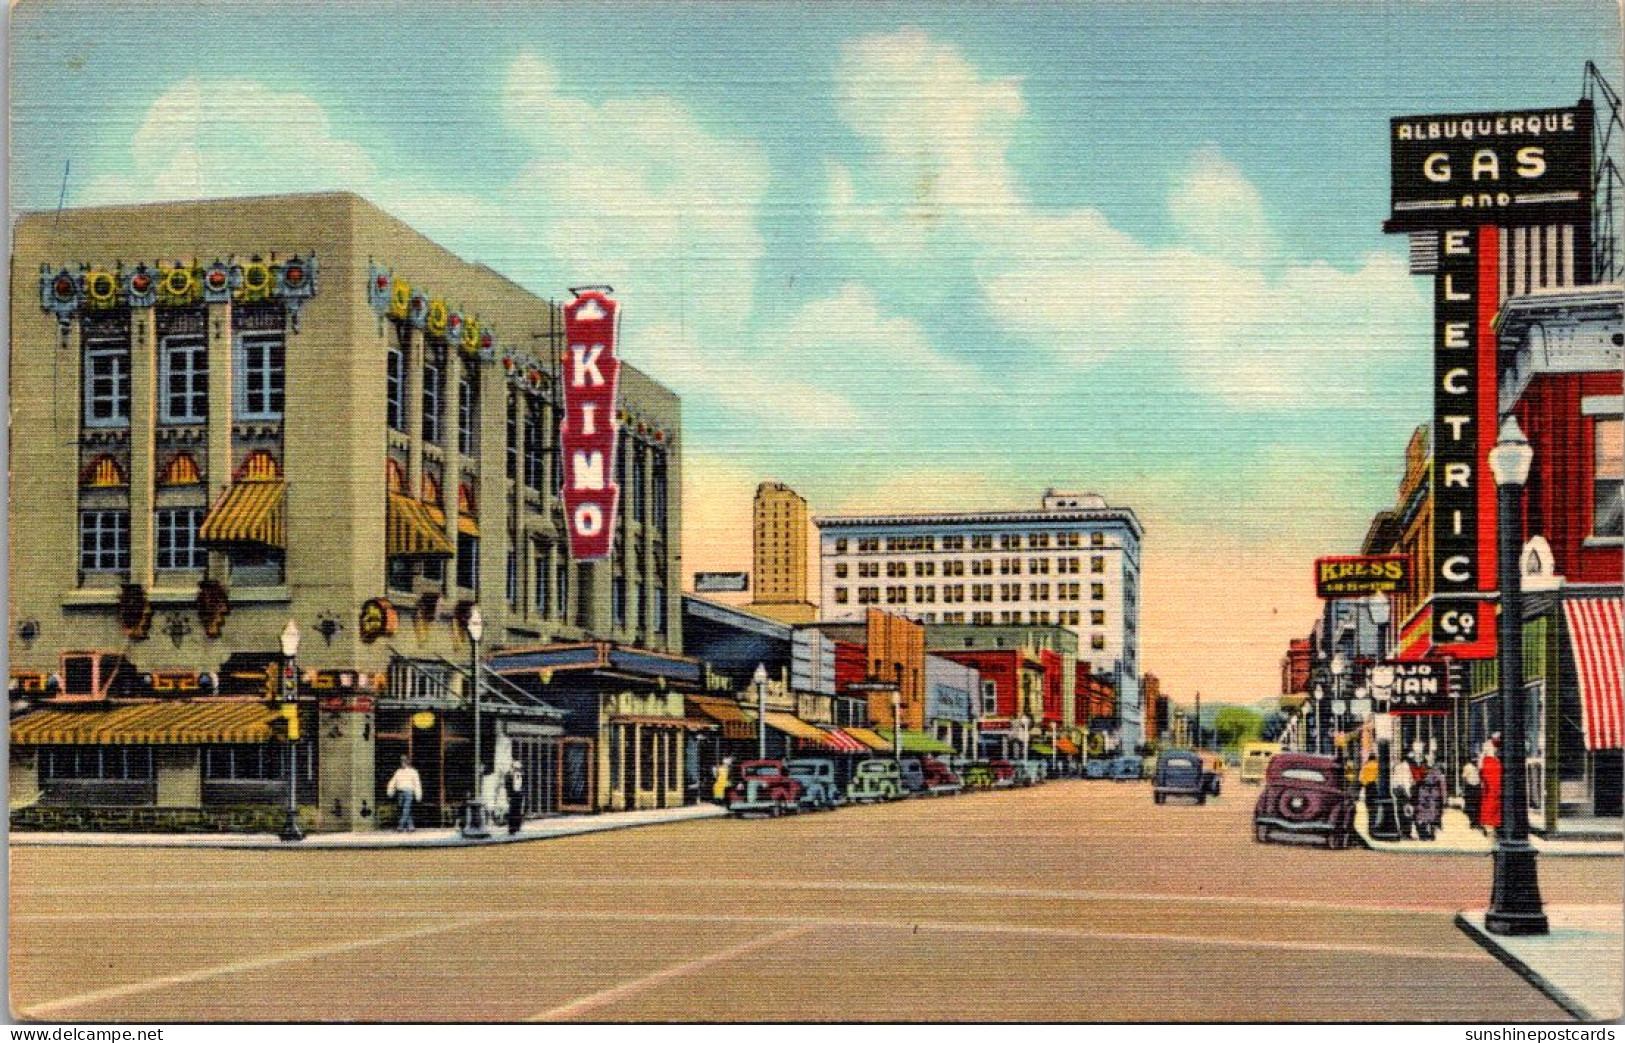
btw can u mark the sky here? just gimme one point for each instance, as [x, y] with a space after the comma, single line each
[903, 257]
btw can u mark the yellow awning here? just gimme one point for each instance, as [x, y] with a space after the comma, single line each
[249, 512]
[736, 724]
[468, 526]
[411, 531]
[868, 738]
[147, 724]
[794, 726]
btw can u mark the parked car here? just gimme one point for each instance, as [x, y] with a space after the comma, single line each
[1255, 758]
[1098, 768]
[939, 778]
[1129, 767]
[877, 779]
[819, 789]
[1179, 773]
[1303, 795]
[979, 776]
[1213, 772]
[764, 786]
[1004, 773]
[1029, 772]
[913, 775]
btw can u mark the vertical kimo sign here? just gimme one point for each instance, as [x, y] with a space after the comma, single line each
[590, 375]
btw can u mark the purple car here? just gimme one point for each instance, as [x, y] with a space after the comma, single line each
[1303, 795]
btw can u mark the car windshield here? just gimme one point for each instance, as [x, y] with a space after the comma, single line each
[758, 770]
[1180, 762]
[1304, 775]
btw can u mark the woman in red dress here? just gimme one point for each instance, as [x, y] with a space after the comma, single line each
[1489, 813]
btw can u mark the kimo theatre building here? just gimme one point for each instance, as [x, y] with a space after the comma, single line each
[235, 417]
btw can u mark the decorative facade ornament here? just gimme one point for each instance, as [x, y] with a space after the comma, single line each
[217, 284]
[213, 605]
[296, 285]
[417, 312]
[378, 284]
[256, 282]
[434, 320]
[101, 288]
[59, 293]
[141, 287]
[454, 329]
[134, 611]
[400, 300]
[179, 285]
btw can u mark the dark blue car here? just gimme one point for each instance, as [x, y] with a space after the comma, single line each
[1179, 774]
[1128, 767]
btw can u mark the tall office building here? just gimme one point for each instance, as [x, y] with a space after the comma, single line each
[779, 540]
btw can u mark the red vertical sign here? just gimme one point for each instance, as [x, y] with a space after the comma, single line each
[590, 374]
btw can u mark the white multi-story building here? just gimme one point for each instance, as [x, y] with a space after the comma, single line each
[1074, 563]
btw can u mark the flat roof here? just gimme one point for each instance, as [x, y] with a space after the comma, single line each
[1119, 515]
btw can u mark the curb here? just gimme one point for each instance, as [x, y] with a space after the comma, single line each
[320, 842]
[1492, 944]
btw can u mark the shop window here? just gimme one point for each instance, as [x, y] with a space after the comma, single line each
[259, 376]
[255, 565]
[434, 570]
[104, 541]
[1608, 482]
[468, 562]
[97, 762]
[399, 573]
[107, 380]
[176, 535]
[184, 377]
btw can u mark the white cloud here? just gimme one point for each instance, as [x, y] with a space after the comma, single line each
[937, 193]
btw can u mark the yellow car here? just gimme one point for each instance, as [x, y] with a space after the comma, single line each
[1255, 759]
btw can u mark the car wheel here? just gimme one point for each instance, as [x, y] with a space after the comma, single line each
[1201, 798]
[1337, 840]
[1159, 797]
[1261, 834]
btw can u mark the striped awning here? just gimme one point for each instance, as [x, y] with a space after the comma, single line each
[147, 724]
[1594, 634]
[797, 728]
[468, 526]
[842, 742]
[249, 512]
[735, 723]
[411, 531]
[869, 739]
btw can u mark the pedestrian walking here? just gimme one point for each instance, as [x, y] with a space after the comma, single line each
[405, 786]
[1399, 787]
[1471, 792]
[1429, 801]
[1489, 769]
[719, 780]
[513, 784]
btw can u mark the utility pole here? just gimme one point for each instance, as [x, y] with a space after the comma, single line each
[1198, 720]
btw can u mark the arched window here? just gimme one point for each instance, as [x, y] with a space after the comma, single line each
[430, 490]
[103, 472]
[394, 475]
[182, 469]
[260, 466]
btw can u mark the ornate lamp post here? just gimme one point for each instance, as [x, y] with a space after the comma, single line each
[1340, 667]
[1384, 824]
[474, 827]
[759, 679]
[1320, 718]
[1515, 905]
[290, 697]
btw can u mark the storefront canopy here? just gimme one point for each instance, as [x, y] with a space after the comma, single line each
[147, 724]
[248, 512]
[1595, 635]
[411, 531]
[842, 742]
[870, 740]
[917, 742]
[1043, 749]
[1066, 746]
[725, 712]
[797, 728]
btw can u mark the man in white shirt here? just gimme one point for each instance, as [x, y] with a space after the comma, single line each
[405, 786]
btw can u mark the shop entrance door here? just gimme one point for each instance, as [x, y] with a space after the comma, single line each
[538, 761]
[575, 774]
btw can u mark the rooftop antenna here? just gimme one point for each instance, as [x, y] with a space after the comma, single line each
[62, 197]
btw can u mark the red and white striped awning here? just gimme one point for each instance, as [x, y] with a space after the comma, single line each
[1595, 635]
[844, 742]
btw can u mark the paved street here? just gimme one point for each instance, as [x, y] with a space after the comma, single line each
[1071, 901]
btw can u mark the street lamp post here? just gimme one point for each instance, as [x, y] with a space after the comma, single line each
[1340, 666]
[897, 715]
[290, 695]
[1320, 726]
[1515, 905]
[474, 827]
[759, 679]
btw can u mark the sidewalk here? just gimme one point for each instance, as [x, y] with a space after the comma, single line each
[1580, 965]
[1457, 837]
[539, 829]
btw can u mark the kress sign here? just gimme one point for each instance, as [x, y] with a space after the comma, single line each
[587, 437]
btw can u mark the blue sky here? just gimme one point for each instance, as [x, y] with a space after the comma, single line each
[901, 256]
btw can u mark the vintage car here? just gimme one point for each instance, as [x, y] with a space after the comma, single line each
[1098, 768]
[1255, 758]
[1128, 767]
[1303, 796]
[819, 788]
[1179, 773]
[1213, 772]
[764, 786]
[979, 776]
[1004, 773]
[877, 779]
[939, 778]
[913, 775]
[1029, 772]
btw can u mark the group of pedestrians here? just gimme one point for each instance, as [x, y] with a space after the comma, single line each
[406, 786]
[1418, 789]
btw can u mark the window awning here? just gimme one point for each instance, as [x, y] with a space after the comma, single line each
[1043, 749]
[726, 712]
[1066, 746]
[410, 530]
[649, 720]
[147, 724]
[917, 742]
[871, 740]
[797, 728]
[841, 742]
[249, 512]
[468, 526]
[1595, 634]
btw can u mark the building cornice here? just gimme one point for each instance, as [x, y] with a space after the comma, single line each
[1121, 515]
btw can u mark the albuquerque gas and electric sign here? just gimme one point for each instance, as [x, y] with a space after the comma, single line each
[1482, 190]
[591, 372]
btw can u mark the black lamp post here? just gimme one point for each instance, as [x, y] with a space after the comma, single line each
[290, 697]
[1384, 824]
[1515, 905]
[474, 826]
